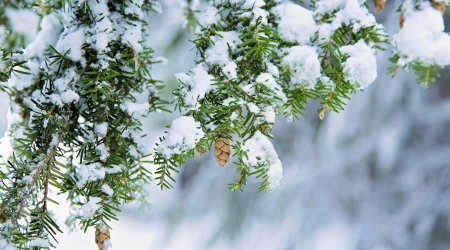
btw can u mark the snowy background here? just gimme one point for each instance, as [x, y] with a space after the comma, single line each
[374, 177]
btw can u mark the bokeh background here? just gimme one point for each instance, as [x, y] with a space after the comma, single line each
[374, 177]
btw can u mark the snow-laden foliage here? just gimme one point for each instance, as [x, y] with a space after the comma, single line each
[78, 76]
[77, 92]
[373, 177]
[422, 45]
[261, 59]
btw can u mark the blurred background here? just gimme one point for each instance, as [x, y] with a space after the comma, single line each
[374, 177]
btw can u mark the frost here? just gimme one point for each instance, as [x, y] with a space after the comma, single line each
[360, 68]
[184, 134]
[260, 151]
[304, 65]
[295, 24]
[425, 41]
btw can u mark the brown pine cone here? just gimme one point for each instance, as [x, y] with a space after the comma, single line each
[222, 151]
[101, 235]
[379, 5]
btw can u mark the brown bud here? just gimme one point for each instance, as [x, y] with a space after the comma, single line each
[222, 150]
[200, 151]
[101, 238]
[401, 21]
[263, 127]
[440, 6]
[379, 5]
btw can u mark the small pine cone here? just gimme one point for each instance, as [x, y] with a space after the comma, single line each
[401, 21]
[440, 6]
[222, 151]
[102, 239]
[379, 5]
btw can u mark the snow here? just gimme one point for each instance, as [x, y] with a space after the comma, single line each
[104, 151]
[272, 69]
[55, 141]
[107, 190]
[253, 108]
[6, 149]
[91, 172]
[198, 82]
[360, 68]
[423, 41]
[249, 4]
[134, 109]
[183, 135]
[39, 242]
[72, 43]
[260, 151]
[89, 208]
[23, 21]
[269, 115]
[133, 36]
[107, 244]
[259, 13]
[269, 81]
[209, 17]
[101, 129]
[21, 81]
[219, 52]
[5, 245]
[304, 65]
[69, 96]
[48, 35]
[295, 23]
[230, 70]
[349, 12]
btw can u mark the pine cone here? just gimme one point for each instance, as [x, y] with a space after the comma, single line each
[440, 6]
[102, 235]
[222, 151]
[379, 5]
[401, 21]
